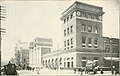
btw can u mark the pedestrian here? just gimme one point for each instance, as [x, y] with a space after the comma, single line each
[85, 70]
[74, 70]
[37, 70]
[101, 71]
[78, 70]
[112, 69]
[81, 71]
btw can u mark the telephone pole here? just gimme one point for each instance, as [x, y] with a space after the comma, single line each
[2, 30]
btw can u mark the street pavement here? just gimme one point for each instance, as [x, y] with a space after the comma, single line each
[59, 72]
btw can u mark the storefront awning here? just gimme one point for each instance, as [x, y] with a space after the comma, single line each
[113, 58]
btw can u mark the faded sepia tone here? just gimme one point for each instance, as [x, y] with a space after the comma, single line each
[41, 25]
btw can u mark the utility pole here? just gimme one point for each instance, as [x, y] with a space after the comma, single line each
[111, 52]
[2, 30]
[57, 58]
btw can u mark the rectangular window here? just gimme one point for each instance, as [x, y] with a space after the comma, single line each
[96, 41]
[71, 46]
[90, 40]
[68, 42]
[65, 32]
[105, 50]
[68, 64]
[71, 58]
[65, 21]
[67, 18]
[71, 29]
[83, 58]
[68, 58]
[71, 41]
[89, 28]
[95, 29]
[83, 27]
[72, 64]
[83, 40]
[71, 16]
[64, 43]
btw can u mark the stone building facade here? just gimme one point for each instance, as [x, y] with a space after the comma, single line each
[38, 48]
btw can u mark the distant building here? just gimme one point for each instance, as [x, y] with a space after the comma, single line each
[38, 48]
[111, 52]
[22, 55]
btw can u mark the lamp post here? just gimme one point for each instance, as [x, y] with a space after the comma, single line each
[2, 18]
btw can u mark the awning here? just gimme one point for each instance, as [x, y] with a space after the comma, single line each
[113, 58]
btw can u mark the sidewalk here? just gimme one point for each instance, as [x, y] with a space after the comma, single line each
[58, 72]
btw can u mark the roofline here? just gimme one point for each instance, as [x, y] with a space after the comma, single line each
[80, 3]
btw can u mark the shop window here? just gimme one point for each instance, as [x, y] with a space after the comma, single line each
[95, 58]
[83, 63]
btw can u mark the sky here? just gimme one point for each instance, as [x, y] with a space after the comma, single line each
[26, 20]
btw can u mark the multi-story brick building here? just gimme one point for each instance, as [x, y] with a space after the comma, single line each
[82, 36]
[111, 52]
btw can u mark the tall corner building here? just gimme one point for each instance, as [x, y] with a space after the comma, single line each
[82, 34]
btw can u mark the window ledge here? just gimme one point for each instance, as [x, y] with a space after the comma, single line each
[89, 44]
[84, 44]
